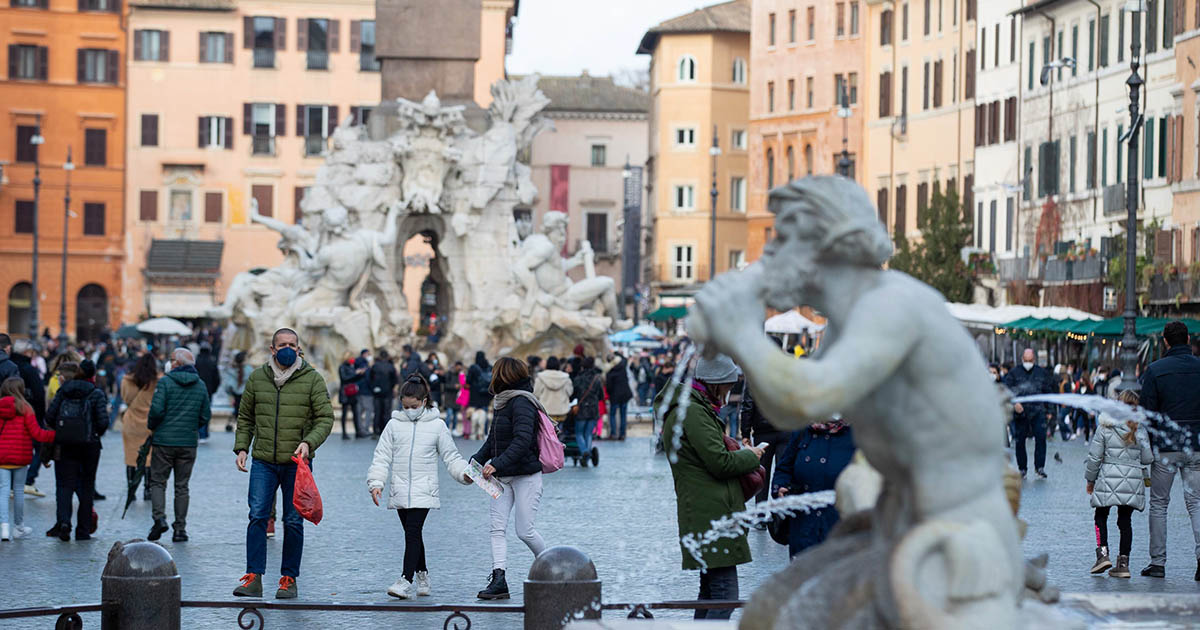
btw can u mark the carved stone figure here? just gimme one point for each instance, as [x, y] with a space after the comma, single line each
[931, 554]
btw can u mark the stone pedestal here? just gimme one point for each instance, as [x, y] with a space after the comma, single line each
[142, 586]
[652, 624]
[562, 585]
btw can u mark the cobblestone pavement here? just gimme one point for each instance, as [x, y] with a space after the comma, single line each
[622, 514]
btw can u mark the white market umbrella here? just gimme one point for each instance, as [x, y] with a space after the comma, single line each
[164, 326]
[790, 323]
[646, 330]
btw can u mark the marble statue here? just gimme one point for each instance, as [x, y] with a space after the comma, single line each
[501, 289]
[930, 554]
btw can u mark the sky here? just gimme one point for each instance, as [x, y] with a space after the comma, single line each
[565, 37]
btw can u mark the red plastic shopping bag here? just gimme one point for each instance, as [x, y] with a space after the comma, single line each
[305, 496]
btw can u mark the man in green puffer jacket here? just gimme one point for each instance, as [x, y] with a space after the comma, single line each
[179, 408]
[285, 411]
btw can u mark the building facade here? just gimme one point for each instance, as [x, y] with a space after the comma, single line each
[1181, 285]
[64, 81]
[808, 60]
[699, 85]
[919, 138]
[579, 167]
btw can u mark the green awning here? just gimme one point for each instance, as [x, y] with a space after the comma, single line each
[1025, 323]
[665, 313]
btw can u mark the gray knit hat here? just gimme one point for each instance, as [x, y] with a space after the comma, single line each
[718, 370]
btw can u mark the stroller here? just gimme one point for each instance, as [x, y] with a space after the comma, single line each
[571, 451]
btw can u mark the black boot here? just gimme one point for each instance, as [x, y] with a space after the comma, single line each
[497, 587]
[160, 527]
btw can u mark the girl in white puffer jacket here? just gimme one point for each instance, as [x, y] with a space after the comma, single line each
[409, 448]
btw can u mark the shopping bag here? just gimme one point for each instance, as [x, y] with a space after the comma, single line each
[305, 496]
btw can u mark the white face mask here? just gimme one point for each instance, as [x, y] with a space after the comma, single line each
[1028, 365]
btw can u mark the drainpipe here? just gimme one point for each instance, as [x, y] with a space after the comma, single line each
[1099, 177]
[1053, 56]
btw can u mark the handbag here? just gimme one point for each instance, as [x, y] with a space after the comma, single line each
[753, 481]
[350, 389]
[575, 407]
[779, 527]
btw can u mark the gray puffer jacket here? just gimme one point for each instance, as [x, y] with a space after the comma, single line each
[1115, 465]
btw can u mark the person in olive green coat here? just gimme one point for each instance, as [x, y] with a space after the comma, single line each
[179, 407]
[285, 411]
[706, 477]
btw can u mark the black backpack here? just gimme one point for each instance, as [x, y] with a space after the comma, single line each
[484, 381]
[74, 422]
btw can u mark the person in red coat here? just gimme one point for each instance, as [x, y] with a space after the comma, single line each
[18, 429]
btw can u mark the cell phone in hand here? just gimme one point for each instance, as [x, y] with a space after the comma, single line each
[762, 445]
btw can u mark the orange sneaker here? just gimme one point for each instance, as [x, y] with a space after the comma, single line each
[251, 586]
[287, 588]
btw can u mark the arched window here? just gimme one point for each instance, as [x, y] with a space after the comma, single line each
[739, 71]
[91, 312]
[20, 299]
[808, 159]
[687, 68]
[770, 169]
[791, 162]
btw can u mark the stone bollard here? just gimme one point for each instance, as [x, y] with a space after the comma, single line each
[140, 588]
[562, 586]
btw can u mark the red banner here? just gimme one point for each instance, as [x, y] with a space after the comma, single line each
[560, 187]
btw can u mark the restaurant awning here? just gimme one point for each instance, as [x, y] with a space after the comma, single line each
[666, 313]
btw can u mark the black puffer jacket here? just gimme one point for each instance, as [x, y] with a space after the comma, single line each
[512, 447]
[589, 389]
[617, 382]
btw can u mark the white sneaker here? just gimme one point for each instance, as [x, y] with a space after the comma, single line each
[423, 587]
[33, 491]
[4, 533]
[401, 589]
[21, 531]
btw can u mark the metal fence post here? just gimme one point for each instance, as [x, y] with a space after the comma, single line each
[562, 586]
[140, 588]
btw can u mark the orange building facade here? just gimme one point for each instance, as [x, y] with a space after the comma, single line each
[63, 82]
[805, 56]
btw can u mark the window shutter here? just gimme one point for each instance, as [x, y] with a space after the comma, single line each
[937, 83]
[43, 62]
[332, 120]
[165, 46]
[354, 114]
[138, 53]
[995, 114]
[301, 34]
[885, 94]
[203, 48]
[80, 65]
[212, 207]
[82, 5]
[1170, 149]
[264, 194]
[355, 36]
[300, 120]
[969, 82]
[247, 119]
[280, 120]
[280, 33]
[297, 212]
[148, 205]
[247, 32]
[335, 34]
[12, 61]
[113, 69]
[229, 133]
[204, 124]
[228, 47]
[901, 200]
[881, 204]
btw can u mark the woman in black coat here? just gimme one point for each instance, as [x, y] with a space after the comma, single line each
[619, 395]
[588, 385]
[811, 462]
[510, 455]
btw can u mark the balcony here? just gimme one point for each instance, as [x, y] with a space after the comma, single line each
[264, 57]
[314, 145]
[1114, 199]
[263, 145]
[1170, 288]
[1073, 270]
[318, 60]
[1012, 269]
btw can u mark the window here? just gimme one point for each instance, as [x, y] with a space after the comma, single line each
[1027, 181]
[885, 28]
[791, 164]
[970, 10]
[1104, 158]
[1104, 41]
[24, 218]
[1151, 26]
[1148, 170]
[904, 22]
[881, 202]
[216, 47]
[149, 130]
[770, 169]
[685, 137]
[27, 151]
[1162, 146]
[969, 81]
[93, 219]
[1012, 39]
[361, 115]
[939, 16]
[1121, 34]
[770, 96]
[597, 231]
[264, 194]
[1031, 51]
[1009, 213]
[791, 94]
[362, 41]
[937, 83]
[841, 19]
[264, 121]
[808, 89]
[853, 78]
[885, 94]
[771, 29]
[1120, 153]
[739, 139]
[1075, 48]
[96, 66]
[792, 26]
[686, 68]
[599, 154]
[929, 18]
[33, 4]
[854, 17]
[265, 35]
[1048, 168]
[27, 62]
[215, 132]
[95, 151]
[319, 37]
[925, 87]
[983, 47]
[1010, 119]
[684, 197]
[808, 159]
[737, 259]
[901, 226]
[151, 45]
[1091, 160]
[314, 123]
[99, 5]
[212, 207]
[148, 205]
[839, 91]
[739, 71]
[180, 209]
[1168, 35]
[737, 194]
[1071, 167]
[811, 14]
[682, 267]
[922, 202]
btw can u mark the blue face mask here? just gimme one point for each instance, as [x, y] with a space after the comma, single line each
[285, 356]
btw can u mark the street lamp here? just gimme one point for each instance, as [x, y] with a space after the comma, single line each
[35, 294]
[63, 338]
[843, 112]
[1135, 83]
[628, 292]
[712, 243]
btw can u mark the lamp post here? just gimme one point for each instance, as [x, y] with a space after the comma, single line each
[715, 151]
[63, 338]
[844, 113]
[1135, 83]
[34, 316]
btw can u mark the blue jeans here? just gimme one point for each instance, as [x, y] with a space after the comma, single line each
[729, 414]
[265, 479]
[14, 478]
[451, 418]
[643, 393]
[583, 435]
[616, 431]
[718, 584]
